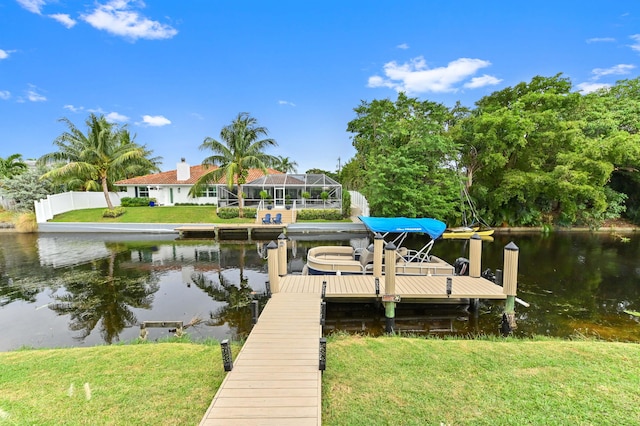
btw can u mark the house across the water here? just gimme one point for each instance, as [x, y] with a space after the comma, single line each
[296, 190]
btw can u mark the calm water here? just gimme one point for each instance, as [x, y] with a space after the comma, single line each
[61, 290]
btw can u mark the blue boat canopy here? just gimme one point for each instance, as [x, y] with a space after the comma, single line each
[433, 227]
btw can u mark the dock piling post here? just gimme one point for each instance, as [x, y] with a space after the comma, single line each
[267, 289]
[475, 256]
[227, 359]
[378, 249]
[390, 287]
[282, 255]
[510, 285]
[272, 266]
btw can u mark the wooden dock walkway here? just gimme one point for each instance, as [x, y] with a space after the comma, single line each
[275, 378]
[219, 230]
[408, 287]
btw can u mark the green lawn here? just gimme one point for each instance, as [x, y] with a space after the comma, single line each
[158, 214]
[368, 381]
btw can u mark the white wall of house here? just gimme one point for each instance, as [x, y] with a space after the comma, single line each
[59, 203]
[168, 195]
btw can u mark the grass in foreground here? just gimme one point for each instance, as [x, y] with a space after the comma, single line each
[146, 384]
[369, 381]
[389, 380]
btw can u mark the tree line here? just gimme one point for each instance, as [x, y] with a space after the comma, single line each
[535, 154]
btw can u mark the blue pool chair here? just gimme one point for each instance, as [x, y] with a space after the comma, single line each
[278, 219]
[266, 219]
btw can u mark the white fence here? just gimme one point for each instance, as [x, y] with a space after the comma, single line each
[358, 200]
[60, 203]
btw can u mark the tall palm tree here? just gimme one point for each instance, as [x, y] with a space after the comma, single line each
[286, 165]
[12, 166]
[97, 158]
[241, 151]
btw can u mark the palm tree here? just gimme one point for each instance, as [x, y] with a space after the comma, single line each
[241, 151]
[285, 165]
[97, 158]
[12, 166]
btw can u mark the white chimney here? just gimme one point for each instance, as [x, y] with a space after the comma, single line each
[183, 170]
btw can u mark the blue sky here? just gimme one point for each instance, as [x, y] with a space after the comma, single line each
[178, 71]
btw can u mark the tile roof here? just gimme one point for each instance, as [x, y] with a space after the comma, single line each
[171, 177]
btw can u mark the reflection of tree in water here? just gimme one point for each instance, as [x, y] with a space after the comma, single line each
[21, 276]
[236, 312]
[104, 294]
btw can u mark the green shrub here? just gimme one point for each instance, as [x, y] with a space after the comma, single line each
[323, 214]
[233, 212]
[136, 201]
[115, 212]
[346, 204]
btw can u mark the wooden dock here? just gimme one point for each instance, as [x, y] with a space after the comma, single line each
[221, 230]
[275, 378]
[408, 287]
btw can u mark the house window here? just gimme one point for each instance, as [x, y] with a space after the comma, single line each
[143, 191]
[212, 192]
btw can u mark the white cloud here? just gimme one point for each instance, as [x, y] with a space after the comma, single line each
[589, 87]
[485, 80]
[116, 17]
[403, 46]
[416, 77]
[601, 40]
[155, 120]
[620, 69]
[286, 103]
[5, 94]
[4, 54]
[73, 108]
[114, 117]
[64, 19]
[34, 96]
[33, 6]
[635, 46]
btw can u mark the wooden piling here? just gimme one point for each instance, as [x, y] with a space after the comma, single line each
[282, 255]
[510, 282]
[378, 249]
[475, 256]
[390, 287]
[272, 267]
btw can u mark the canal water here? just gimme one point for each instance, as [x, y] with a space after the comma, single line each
[61, 290]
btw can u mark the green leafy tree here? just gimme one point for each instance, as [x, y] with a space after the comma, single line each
[406, 157]
[12, 166]
[98, 158]
[26, 188]
[528, 160]
[286, 165]
[611, 119]
[240, 149]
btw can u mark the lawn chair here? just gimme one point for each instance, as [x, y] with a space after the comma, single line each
[278, 219]
[266, 219]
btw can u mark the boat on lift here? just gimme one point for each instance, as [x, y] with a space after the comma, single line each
[343, 260]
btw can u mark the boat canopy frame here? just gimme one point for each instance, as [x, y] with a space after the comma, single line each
[404, 226]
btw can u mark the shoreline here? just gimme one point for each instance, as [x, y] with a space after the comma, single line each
[297, 228]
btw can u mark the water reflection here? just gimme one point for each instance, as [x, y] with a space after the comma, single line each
[69, 290]
[103, 293]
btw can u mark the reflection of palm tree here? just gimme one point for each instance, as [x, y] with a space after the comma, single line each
[236, 312]
[104, 294]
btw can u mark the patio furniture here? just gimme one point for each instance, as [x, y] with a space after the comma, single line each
[278, 219]
[266, 219]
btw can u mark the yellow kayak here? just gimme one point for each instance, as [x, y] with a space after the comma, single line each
[465, 233]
